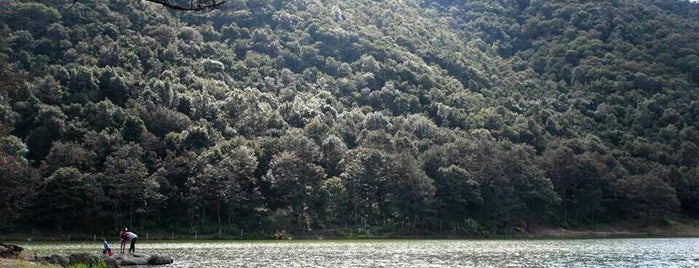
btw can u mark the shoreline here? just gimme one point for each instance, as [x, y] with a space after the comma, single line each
[547, 235]
[674, 229]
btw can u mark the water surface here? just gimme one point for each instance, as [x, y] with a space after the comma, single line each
[670, 252]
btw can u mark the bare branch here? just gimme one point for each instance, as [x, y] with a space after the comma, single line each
[71, 5]
[194, 5]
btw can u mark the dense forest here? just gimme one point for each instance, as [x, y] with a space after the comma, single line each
[354, 117]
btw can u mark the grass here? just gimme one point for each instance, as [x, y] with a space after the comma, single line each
[99, 264]
[15, 263]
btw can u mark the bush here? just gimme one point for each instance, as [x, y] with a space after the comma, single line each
[471, 227]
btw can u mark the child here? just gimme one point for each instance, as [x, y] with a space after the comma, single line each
[107, 250]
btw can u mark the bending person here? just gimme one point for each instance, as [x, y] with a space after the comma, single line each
[132, 236]
[107, 250]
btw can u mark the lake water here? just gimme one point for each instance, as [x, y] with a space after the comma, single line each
[671, 252]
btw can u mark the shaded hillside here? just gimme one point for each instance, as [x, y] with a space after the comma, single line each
[391, 116]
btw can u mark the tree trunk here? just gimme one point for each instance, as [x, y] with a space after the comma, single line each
[142, 220]
[648, 216]
[191, 218]
[565, 207]
[218, 216]
[230, 215]
[203, 217]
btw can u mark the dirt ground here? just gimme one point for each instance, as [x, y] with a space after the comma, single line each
[672, 229]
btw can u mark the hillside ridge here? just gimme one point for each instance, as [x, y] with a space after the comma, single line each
[267, 117]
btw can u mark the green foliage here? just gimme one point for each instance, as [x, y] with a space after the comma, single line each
[65, 192]
[648, 197]
[476, 117]
[32, 16]
[17, 181]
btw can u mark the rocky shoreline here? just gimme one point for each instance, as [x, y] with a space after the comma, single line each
[8, 251]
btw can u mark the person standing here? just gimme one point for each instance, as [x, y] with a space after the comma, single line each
[132, 236]
[122, 239]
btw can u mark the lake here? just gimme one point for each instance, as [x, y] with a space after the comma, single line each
[661, 252]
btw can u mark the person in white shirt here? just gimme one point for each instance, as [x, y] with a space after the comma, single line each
[132, 236]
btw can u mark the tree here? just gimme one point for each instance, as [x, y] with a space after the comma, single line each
[33, 16]
[688, 190]
[648, 196]
[334, 196]
[67, 155]
[129, 189]
[582, 178]
[67, 200]
[363, 176]
[224, 177]
[408, 192]
[295, 184]
[49, 126]
[18, 181]
[333, 150]
[458, 193]
[172, 179]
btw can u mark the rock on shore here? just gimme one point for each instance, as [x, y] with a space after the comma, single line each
[13, 252]
[140, 259]
[9, 251]
[116, 261]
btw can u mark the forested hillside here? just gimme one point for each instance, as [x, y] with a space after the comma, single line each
[473, 117]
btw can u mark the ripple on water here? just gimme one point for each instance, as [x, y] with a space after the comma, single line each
[415, 253]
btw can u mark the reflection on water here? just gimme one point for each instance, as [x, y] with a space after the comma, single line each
[417, 253]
